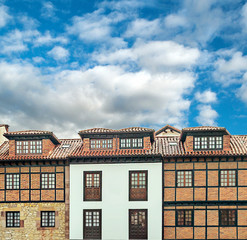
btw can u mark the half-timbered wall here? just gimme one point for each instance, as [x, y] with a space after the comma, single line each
[206, 198]
[30, 184]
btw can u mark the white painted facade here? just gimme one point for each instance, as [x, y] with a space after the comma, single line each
[115, 202]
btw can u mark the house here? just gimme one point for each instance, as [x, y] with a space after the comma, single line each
[34, 185]
[116, 185]
[205, 184]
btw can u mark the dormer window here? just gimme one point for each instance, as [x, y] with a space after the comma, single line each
[101, 143]
[131, 143]
[29, 147]
[208, 143]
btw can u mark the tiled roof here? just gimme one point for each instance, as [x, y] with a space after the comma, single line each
[171, 146]
[108, 153]
[31, 133]
[162, 146]
[123, 130]
[203, 128]
[61, 151]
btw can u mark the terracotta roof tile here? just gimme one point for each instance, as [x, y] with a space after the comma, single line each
[31, 133]
[123, 130]
[108, 153]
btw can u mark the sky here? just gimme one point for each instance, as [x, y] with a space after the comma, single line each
[68, 65]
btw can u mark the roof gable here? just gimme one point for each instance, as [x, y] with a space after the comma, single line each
[167, 131]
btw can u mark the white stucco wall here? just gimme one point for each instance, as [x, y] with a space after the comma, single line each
[2, 131]
[115, 202]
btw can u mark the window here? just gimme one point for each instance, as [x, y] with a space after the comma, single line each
[92, 224]
[138, 224]
[92, 186]
[184, 178]
[184, 218]
[12, 181]
[206, 143]
[25, 147]
[48, 219]
[228, 178]
[12, 219]
[47, 180]
[138, 185]
[228, 217]
[131, 143]
[101, 143]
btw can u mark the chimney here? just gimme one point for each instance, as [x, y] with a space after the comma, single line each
[3, 129]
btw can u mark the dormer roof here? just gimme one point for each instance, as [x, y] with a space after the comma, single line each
[202, 129]
[32, 133]
[106, 131]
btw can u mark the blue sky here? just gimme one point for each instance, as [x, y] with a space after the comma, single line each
[67, 65]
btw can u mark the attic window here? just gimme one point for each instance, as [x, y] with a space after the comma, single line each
[101, 143]
[208, 143]
[29, 147]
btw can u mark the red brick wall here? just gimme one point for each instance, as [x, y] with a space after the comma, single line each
[226, 142]
[188, 144]
[47, 146]
[11, 148]
[146, 143]
[86, 144]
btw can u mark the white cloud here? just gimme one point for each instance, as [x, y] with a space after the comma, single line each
[16, 40]
[197, 22]
[97, 28]
[207, 115]
[237, 63]
[47, 39]
[4, 16]
[242, 91]
[206, 97]
[175, 20]
[230, 68]
[59, 53]
[91, 27]
[38, 59]
[104, 96]
[48, 10]
[244, 17]
[143, 28]
[165, 55]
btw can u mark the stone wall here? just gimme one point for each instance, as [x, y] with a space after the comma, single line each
[30, 218]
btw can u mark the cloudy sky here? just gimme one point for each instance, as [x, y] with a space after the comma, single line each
[67, 65]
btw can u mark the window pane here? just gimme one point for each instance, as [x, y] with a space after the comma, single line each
[209, 142]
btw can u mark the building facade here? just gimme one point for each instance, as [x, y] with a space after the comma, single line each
[131, 183]
[34, 179]
[115, 186]
[205, 180]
